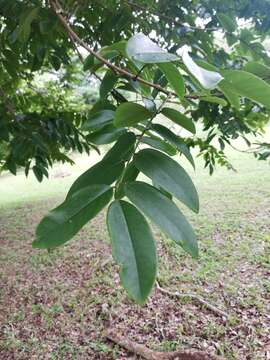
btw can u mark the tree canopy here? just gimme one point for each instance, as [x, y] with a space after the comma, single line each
[195, 62]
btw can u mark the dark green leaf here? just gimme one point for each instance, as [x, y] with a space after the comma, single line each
[102, 104]
[131, 173]
[164, 213]
[110, 167]
[38, 173]
[128, 114]
[179, 119]
[122, 149]
[174, 140]
[168, 174]
[164, 192]
[62, 223]
[55, 61]
[133, 249]
[233, 98]
[106, 135]
[101, 173]
[227, 22]
[106, 54]
[88, 62]
[174, 78]
[159, 144]
[24, 28]
[98, 119]
[107, 83]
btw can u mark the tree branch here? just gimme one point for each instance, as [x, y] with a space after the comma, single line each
[195, 297]
[148, 354]
[75, 38]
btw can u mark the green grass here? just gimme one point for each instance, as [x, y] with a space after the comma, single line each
[57, 305]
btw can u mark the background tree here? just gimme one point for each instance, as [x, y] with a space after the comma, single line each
[207, 58]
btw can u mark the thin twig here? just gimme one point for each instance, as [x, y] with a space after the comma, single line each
[195, 297]
[248, 151]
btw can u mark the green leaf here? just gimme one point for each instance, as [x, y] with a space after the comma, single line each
[107, 83]
[63, 222]
[24, 28]
[38, 173]
[119, 46]
[122, 149]
[214, 100]
[258, 69]
[140, 48]
[227, 22]
[174, 78]
[208, 79]
[164, 213]
[160, 79]
[98, 119]
[47, 25]
[55, 61]
[110, 167]
[159, 144]
[129, 113]
[168, 174]
[233, 98]
[175, 140]
[131, 173]
[88, 62]
[204, 64]
[106, 54]
[101, 173]
[179, 119]
[133, 249]
[106, 135]
[102, 104]
[163, 191]
[249, 86]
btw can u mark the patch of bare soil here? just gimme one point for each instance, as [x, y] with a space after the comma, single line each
[59, 305]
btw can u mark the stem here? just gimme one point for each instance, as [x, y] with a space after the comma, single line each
[138, 140]
[148, 125]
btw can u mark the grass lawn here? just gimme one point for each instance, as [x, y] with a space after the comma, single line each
[57, 305]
